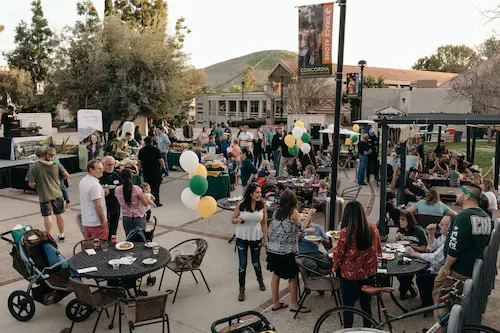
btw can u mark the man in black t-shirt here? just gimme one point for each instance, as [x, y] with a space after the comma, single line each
[363, 152]
[110, 180]
[8, 121]
[286, 157]
[152, 166]
[275, 147]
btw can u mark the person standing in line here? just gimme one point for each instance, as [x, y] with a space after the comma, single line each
[46, 179]
[363, 151]
[250, 217]
[151, 164]
[276, 147]
[163, 142]
[258, 148]
[203, 137]
[286, 158]
[138, 135]
[246, 139]
[111, 179]
[93, 203]
[248, 169]
[269, 134]
[187, 130]
[218, 131]
[227, 129]
[373, 157]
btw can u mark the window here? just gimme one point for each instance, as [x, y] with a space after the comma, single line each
[243, 109]
[212, 108]
[254, 109]
[222, 109]
[232, 108]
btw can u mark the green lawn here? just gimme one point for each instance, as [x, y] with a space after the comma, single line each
[484, 153]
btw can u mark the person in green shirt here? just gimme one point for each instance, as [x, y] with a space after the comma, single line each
[110, 148]
[248, 169]
[468, 236]
[137, 135]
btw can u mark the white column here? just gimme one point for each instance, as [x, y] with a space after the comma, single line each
[260, 109]
[227, 109]
[247, 110]
[237, 109]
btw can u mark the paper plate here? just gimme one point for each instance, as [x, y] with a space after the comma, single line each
[114, 261]
[149, 261]
[124, 246]
[312, 238]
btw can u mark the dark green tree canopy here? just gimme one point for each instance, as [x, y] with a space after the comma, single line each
[449, 58]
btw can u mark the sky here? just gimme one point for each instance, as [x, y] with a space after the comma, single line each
[385, 33]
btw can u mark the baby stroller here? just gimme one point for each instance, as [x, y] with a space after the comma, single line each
[35, 256]
[256, 323]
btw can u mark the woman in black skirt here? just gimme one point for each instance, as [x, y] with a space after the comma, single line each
[283, 246]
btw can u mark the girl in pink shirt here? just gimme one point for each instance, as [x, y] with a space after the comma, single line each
[236, 150]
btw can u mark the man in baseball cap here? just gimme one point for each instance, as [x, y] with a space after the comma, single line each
[414, 190]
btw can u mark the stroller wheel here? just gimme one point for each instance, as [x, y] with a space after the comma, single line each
[21, 305]
[82, 315]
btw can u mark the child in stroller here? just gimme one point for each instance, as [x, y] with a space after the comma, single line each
[36, 257]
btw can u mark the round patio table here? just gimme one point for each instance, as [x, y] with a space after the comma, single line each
[105, 271]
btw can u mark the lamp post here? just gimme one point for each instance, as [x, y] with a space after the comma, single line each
[243, 100]
[361, 64]
[281, 93]
[336, 123]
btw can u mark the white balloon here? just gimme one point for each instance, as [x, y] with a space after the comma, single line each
[189, 161]
[229, 149]
[297, 132]
[189, 199]
[306, 148]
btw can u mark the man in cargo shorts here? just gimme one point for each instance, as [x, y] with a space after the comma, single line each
[468, 236]
[45, 179]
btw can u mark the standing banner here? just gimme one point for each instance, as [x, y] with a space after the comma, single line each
[315, 40]
[352, 82]
[89, 122]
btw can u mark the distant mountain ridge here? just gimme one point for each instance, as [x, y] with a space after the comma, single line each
[230, 72]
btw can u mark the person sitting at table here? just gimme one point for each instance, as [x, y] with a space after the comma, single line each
[434, 255]
[487, 187]
[391, 209]
[413, 160]
[440, 165]
[463, 166]
[409, 231]
[477, 179]
[356, 256]
[250, 217]
[320, 199]
[310, 174]
[263, 173]
[275, 191]
[248, 169]
[323, 264]
[212, 143]
[122, 148]
[224, 144]
[440, 149]
[322, 160]
[454, 176]
[415, 189]
[431, 205]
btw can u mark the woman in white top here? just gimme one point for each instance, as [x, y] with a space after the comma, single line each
[250, 217]
[488, 190]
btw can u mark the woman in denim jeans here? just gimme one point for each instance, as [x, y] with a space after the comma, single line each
[250, 217]
[129, 196]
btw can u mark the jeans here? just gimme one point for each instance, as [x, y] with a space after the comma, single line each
[243, 246]
[257, 160]
[164, 156]
[276, 161]
[363, 164]
[351, 292]
[129, 223]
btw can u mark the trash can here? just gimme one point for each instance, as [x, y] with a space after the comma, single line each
[457, 137]
[339, 209]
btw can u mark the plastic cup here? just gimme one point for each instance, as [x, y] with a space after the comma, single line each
[116, 265]
[130, 254]
[156, 250]
[104, 247]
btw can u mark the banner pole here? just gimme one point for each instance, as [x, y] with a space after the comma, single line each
[338, 103]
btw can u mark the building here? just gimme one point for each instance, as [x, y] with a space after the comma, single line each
[212, 108]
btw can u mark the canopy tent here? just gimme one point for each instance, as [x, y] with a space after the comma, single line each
[470, 120]
[343, 131]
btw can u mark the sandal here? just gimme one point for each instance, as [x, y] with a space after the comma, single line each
[281, 306]
[301, 310]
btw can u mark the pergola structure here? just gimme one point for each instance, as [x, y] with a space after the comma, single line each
[472, 121]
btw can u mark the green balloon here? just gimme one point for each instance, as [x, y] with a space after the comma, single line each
[198, 185]
[294, 150]
[354, 138]
[347, 136]
[306, 137]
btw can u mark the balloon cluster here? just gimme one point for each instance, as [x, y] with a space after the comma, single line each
[351, 139]
[198, 186]
[299, 139]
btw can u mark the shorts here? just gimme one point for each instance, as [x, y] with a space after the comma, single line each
[442, 281]
[55, 206]
[283, 265]
[96, 232]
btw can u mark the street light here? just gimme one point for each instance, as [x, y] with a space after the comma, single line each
[281, 93]
[361, 64]
[243, 100]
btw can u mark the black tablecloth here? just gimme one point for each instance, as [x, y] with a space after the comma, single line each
[106, 271]
[5, 148]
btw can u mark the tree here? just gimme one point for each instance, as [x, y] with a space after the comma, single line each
[489, 48]
[196, 80]
[249, 79]
[373, 82]
[305, 94]
[34, 45]
[143, 13]
[16, 88]
[449, 58]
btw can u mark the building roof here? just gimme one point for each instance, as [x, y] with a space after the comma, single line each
[390, 74]
[442, 118]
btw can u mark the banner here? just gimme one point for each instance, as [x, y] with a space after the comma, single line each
[315, 41]
[352, 82]
[24, 148]
[89, 122]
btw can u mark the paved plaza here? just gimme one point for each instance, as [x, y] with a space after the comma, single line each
[195, 309]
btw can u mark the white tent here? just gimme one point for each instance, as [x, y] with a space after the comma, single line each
[343, 131]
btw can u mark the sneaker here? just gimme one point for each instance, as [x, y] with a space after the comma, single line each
[159, 205]
[241, 296]
[413, 292]
[61, 238]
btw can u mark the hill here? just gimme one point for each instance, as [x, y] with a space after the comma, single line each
[230, 72]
